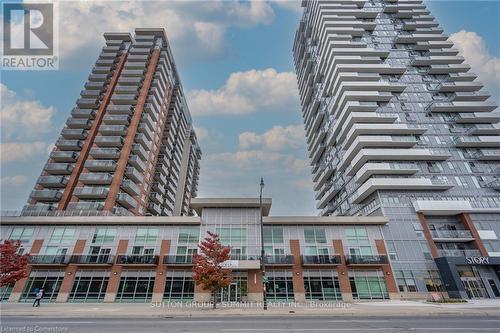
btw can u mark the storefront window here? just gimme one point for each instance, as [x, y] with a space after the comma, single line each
[405, 281]
[136, 286]
[368, 285]
[179, 286]
[89, 287]
[280, 286]
[5, 293]
[50, 281]
[321, 285]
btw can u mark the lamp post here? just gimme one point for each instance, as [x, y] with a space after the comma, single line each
[262, 252]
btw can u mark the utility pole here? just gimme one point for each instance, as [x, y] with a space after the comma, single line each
[262, 252]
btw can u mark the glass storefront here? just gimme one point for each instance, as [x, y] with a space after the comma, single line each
[49, 280]
[368, 285]
[321, 285]
[280, 286]
[136, 286]
[472, 282]
[237, 290]
[5, 293]
[179, 286]
[89, 286]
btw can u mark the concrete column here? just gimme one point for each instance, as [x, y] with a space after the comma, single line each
[161, 272]
[343, 272]
[116, 270]
[297, 278]
[428, 235]
[392, 288]
[18, 288]
[254, 285]
[69, 274]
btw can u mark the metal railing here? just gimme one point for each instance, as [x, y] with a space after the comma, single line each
[102, 259]
[367, 259]
[324, 259]
[48, 260]
[137, 259]
[459, 253]
[178, 259]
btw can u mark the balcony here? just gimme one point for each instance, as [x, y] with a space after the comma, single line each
[63, 156]
[48, 260]
[96, 178]
[69, 144]
[126, 110]
[459, 253]
[92, 259]
[46, 195]
[122, 99]
[143, 140]
[488, 155]
[476, 141]
[83, 205]
[493, 184]
[52, 181]
[279, 260]
[367, 260]
[111, 119]
[83, 113]
[74, 133]
[459, 106]
[130, 187]
[459, 86]
[105, 153]
[59, 168]
[137, 162]
[88, 103]
[154, 208]
[126, 200]
[137, 259]
[113, 129]
[482, 117]
[100, 165]
[447, 69]
[313, 260]
[108, 141]
[91, 192]
[133, 174]
[452, 235]
[370, 169]
[182, 260]
[78, 123]
[138, 150]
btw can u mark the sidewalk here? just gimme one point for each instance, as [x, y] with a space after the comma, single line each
[120, 310]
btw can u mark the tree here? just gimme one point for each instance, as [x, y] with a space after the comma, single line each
[207, 269]
[13, 266]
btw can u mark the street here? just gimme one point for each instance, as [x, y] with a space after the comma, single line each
[287, 323]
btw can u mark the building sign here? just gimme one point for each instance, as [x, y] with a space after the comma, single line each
[478, 260]
[230, 264]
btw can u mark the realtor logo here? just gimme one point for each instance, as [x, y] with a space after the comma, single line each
[29, 36]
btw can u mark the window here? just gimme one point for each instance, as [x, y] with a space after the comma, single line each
[315, 235]
[368, 285]
[188, 235]
[146, 235]
[136, 286]
[280, 286]
[433, 281]
[357, 234]
[50, 281]
[230, 236]
[21, 234]
[62, 235]
[322, 285]
[391, 250]
[89, 288]
[179, 286]
[104, 235]
[273, 235]
[406, 281]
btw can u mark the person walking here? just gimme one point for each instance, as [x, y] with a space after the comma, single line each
[38, 297]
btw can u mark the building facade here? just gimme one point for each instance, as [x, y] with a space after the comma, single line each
[149, 258]
[128, 147]
[398, 126]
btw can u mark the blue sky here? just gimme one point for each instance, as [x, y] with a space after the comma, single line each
[236, 66]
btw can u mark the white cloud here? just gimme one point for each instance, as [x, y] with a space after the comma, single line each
[475, 52]
[192, 26]
[13, 180]
[292, 5]
[21, 151]
[22, 118]
[246, 92]
[258, 160]
[277, 138]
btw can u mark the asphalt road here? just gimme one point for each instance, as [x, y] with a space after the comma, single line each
[254, 324]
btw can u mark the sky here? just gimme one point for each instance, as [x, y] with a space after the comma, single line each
[236, 66]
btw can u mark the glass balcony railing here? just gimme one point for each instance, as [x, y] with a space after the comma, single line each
[367, 260]
[451, 234]
[325, 259]
[48, 260]
[279, 259]
[137, 259]
[98, 259]
[178, 260]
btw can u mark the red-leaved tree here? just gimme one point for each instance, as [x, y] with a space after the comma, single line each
[207, 269]
[13, 266]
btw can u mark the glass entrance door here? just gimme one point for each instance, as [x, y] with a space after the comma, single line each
[235, 291]
[472, 282]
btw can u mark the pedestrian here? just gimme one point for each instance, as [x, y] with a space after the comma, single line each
[38, 297]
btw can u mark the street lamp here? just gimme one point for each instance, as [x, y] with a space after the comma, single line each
[262, 252]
